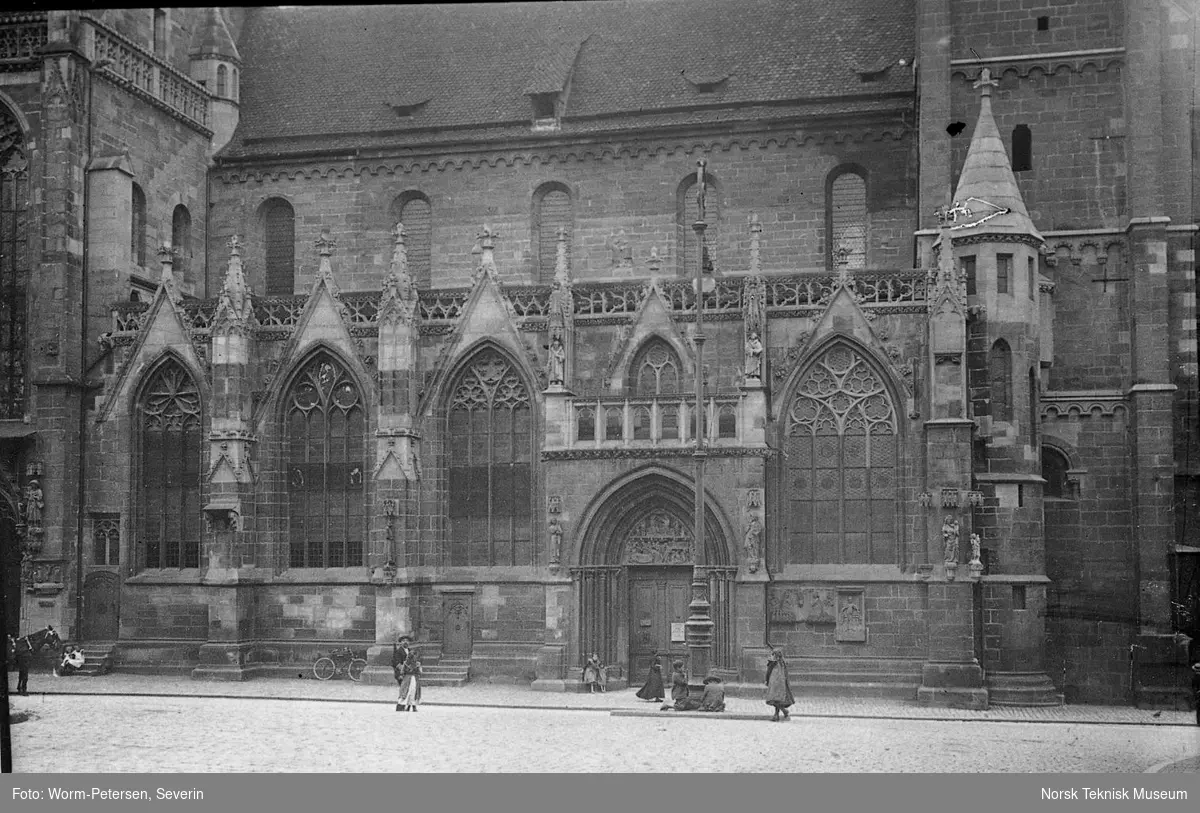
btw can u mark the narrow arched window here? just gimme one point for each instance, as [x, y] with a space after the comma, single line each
[137, 232]
[326, 437]
[414, 210]
[15, 225]
[687, 213]
[168, 476]
[222, 81]
[490, 444]
[181, 241]
[841, 463]
[233, 88]
[279, 239]
[846, 219]
[1000, 381]
[655, 370]
[551, 214]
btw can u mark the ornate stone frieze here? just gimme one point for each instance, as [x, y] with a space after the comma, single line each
[659, 538]
[651, 454]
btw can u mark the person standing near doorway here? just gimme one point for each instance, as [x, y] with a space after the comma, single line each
[779, 688]
[400, 653]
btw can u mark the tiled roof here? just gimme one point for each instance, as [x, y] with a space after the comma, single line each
[323, 73]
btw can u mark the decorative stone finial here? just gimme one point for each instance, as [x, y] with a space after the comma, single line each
[235, 246]
[325, 245]
[166, 256]
[234, 308]
[985, 83]
[654, 263]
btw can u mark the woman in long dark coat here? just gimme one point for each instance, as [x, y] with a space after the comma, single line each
[400, 652]
[779, 688]
[653, 690]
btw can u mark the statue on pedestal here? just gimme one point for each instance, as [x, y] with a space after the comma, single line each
[950, 540]
[754, 354]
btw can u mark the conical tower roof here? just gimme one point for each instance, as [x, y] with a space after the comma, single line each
[987, 187]
[212, 38]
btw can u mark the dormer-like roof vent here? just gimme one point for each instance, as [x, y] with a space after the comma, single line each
[706, 81]
[405, 104]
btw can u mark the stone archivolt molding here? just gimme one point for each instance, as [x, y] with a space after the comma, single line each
[1099, 404]
[526, 158]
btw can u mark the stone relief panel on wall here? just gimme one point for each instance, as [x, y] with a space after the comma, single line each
[659, 539]
[851, 618]
[803, 605]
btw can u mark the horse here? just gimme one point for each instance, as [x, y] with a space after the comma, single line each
[28, 646]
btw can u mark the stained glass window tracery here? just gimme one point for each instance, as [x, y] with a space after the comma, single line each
[490, 444]
[841, 465]
[656, 369]
[169, 474]
[326, 430]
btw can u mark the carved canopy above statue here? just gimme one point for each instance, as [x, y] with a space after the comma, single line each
[659, 538]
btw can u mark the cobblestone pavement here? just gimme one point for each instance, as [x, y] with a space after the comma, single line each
[510, 696]
[121, 733]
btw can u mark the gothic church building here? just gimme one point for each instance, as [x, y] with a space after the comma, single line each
[323, 325]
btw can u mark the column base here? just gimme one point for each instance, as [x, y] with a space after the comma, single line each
[952, 685]
[227, 661]
[1022, 689]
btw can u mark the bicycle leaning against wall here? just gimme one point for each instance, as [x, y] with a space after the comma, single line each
[339, 662]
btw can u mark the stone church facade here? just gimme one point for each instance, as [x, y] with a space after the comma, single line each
[400, 337]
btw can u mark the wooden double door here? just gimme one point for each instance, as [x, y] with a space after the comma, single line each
[658, 610]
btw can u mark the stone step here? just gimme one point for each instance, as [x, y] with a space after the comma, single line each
[97, 659]
[1032, 689]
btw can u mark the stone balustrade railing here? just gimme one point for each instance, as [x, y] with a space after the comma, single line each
[21, 38]
[664, 421]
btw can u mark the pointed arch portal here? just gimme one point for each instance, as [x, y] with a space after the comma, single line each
[634, 576]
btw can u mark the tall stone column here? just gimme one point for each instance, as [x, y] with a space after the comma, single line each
[231, 558]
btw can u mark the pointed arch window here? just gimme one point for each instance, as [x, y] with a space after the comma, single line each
[841, 465]
[687, 212]
[137, 233]
[490, 443]
[846, 218]
[14, 265]
[1055, 471]
[1000, 381]
[222, 81]
[326, 437]
[279, 238]
[181, 241]
[656, 370]
[415, 211]
[551, 212]
[168, 490]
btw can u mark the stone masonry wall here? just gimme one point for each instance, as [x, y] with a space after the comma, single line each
[782, 181]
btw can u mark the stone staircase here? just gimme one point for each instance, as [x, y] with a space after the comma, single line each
[97, 658]
[1022, 689]
[445, 671]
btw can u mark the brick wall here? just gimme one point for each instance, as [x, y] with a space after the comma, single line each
[320, 612]
[896, 627]
[1003, 27]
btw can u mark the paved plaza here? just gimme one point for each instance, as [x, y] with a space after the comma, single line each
[124, 723]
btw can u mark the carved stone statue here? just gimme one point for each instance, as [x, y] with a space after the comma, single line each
[975, 543]
[950, 539]
[34, 503]
[754, 354]
[752, 542]
[556, 533]
[556, 361]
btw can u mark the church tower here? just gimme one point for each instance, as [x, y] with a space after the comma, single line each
[996, 247]
[216, 64]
